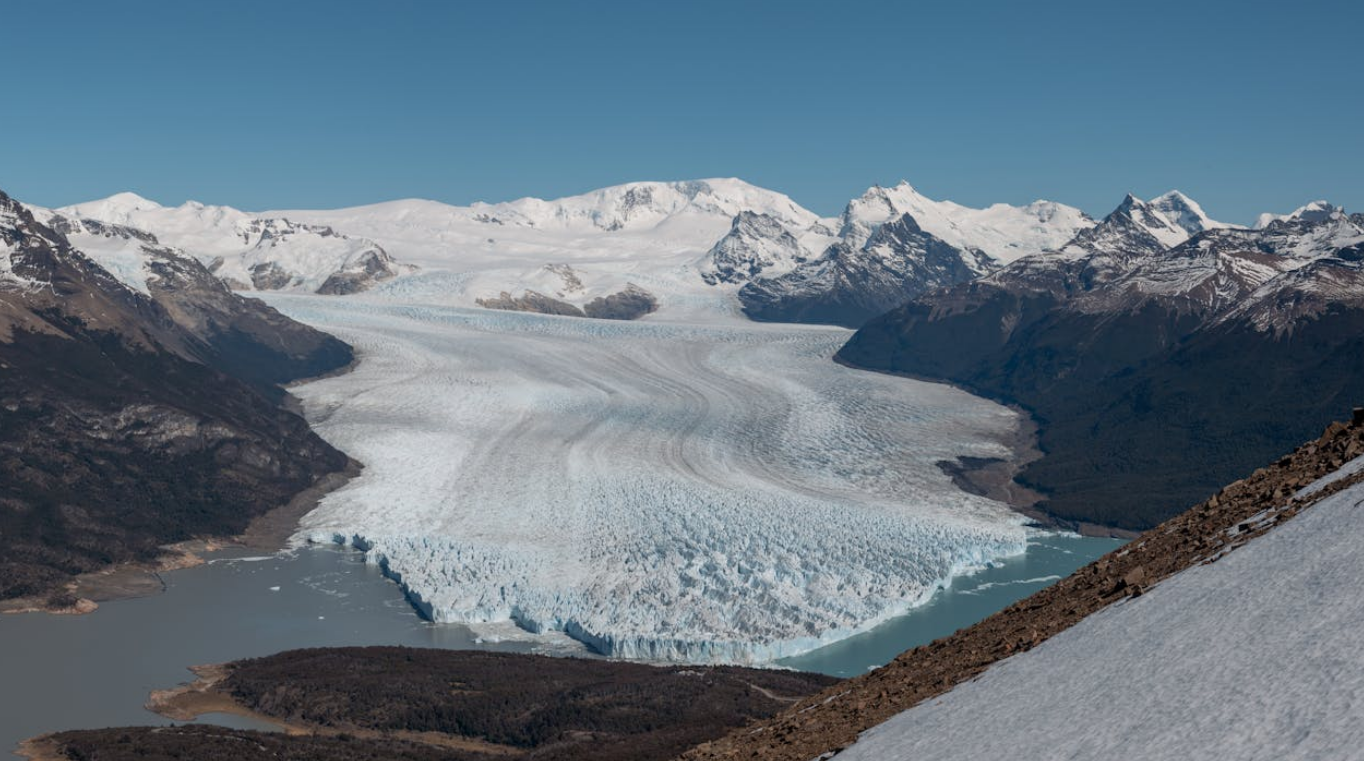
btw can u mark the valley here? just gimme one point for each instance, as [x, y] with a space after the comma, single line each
[699, 491]
[680, 480]
[623, 381]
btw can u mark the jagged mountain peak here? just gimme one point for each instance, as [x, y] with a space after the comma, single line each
[1185, 213]
[756, 243]
[1316, 211]
[1136, 226]
[1002, 231]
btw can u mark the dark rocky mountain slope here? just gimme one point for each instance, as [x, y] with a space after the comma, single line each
[1156, 373]
[129, 420]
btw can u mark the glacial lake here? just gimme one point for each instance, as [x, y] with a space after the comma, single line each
[97, 670]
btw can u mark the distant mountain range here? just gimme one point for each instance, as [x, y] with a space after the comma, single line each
[679, 242]
[1154, 337]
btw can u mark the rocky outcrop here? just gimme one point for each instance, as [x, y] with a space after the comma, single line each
[821, 725]
[132, 419]
[359, 275]
[629, 303]
[530, 301]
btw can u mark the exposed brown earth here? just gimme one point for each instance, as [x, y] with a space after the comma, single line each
[831, 720]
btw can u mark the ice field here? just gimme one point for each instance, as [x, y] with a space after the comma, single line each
[713, 492]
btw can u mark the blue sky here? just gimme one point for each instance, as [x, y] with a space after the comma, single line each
[1245, 106]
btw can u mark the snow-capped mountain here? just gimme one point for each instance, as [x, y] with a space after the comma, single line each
[1184, 213]
[250, 252]
[689, 247]
[136, 410]
[670, 238]
[646, 206]
[687, 244]
[755, 244]
[693, 214]
[1140, 227]
[893, 244]
[1001, 231]
[1315, 211]
[851, 283]
[1136, 352]
[241, 336]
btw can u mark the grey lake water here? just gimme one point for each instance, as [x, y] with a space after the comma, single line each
[97, 670]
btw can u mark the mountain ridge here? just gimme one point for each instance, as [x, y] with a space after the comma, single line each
[132, 419]
[1126, 352]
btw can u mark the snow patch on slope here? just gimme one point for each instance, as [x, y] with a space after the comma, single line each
[120, 250]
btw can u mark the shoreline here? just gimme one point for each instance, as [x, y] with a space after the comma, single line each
[267, 532]
[997, 478]
[187, 702]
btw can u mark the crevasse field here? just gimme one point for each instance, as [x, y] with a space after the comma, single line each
[706, 491]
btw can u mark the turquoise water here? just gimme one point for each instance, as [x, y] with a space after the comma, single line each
[1050, 557]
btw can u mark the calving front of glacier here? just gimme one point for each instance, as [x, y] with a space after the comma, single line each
[706, 492]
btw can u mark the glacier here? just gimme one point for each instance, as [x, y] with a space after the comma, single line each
[705, 490]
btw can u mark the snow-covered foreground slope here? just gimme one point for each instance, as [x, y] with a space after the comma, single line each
[1256, 656]
[701, 492]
